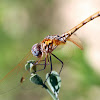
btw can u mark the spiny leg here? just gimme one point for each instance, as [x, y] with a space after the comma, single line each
[42, 64]
[60, 61]
[46, 58]
[51, 66]
[50, 70]
[23, 77]
[50, 63]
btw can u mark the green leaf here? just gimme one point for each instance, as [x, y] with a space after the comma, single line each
[54, 81]
[31, 66]
[36, 79]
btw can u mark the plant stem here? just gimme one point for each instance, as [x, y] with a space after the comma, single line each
[49, 91]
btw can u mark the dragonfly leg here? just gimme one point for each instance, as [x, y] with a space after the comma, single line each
[60, 61]
[50, 70]
[42, 64]
[46, 58]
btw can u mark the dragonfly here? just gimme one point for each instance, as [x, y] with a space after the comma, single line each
[44, 49]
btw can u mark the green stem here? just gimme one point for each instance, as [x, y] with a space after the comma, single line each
[49, 91]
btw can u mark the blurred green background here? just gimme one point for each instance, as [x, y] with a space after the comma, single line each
[26, 22]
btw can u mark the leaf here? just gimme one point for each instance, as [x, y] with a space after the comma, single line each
[36, 79]
[54, 81]
[30, 66]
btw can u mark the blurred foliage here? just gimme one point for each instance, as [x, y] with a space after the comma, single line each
[26, 22]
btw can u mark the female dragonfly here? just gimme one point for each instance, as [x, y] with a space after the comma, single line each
[16, 76]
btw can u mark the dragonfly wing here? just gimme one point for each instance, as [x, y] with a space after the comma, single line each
[15, 77]
[74, 39]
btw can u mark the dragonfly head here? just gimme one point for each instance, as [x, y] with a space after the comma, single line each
[36, 50]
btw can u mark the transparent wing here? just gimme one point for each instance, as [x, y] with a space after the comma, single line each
[68, 49]
[74, 39]
[16, 76]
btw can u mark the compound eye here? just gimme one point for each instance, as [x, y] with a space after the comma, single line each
[36, 50]
[35, 53]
